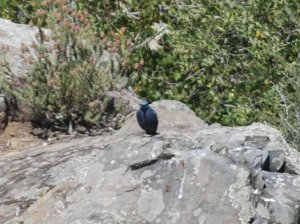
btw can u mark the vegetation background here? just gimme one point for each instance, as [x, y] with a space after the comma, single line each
[233, 62]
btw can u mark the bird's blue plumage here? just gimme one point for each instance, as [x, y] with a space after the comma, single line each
[140, 115]
[147, 118]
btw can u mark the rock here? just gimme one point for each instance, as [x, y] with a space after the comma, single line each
[81, 129]
[95, 132]
[281, 197]
[260, 221]
[276, 160]
[256, 141]
[41, 133]
[189, 173]
[11, 47]
[256, 158]
[124, 101]
[3, 112]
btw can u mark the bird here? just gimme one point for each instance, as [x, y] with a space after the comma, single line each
[147, 118]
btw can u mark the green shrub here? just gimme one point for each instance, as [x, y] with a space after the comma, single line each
[224, 58]
[289, 92]
[66, 82]
[19, 11]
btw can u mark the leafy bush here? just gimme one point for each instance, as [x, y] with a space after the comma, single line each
[67, 82]
[224, 59]
[19, 11]
[289, 92]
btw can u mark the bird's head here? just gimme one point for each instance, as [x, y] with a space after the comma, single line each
[144, 105]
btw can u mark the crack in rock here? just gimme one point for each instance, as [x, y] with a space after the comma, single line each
[161, 156]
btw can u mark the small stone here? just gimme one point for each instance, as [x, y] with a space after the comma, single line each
[3, 103]
[257, 180]
[276, 160]
[81, 129]
[256, 141]
[49, 139]
[256, 158]
[37, 131]
[94, 132]
[50, 134]
[262, 211]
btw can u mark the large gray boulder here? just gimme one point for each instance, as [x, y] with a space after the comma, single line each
[14, 41]
[189, 173]
[3, 113]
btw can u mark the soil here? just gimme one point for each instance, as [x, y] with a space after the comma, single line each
[17, 137]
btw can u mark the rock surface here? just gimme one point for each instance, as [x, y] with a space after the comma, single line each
[12, 37]
[189, 173]
[3, 113]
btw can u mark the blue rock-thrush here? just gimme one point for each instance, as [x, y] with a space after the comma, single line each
[147, 118]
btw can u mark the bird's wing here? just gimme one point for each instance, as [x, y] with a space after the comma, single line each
[140, 116]
[151, 119]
